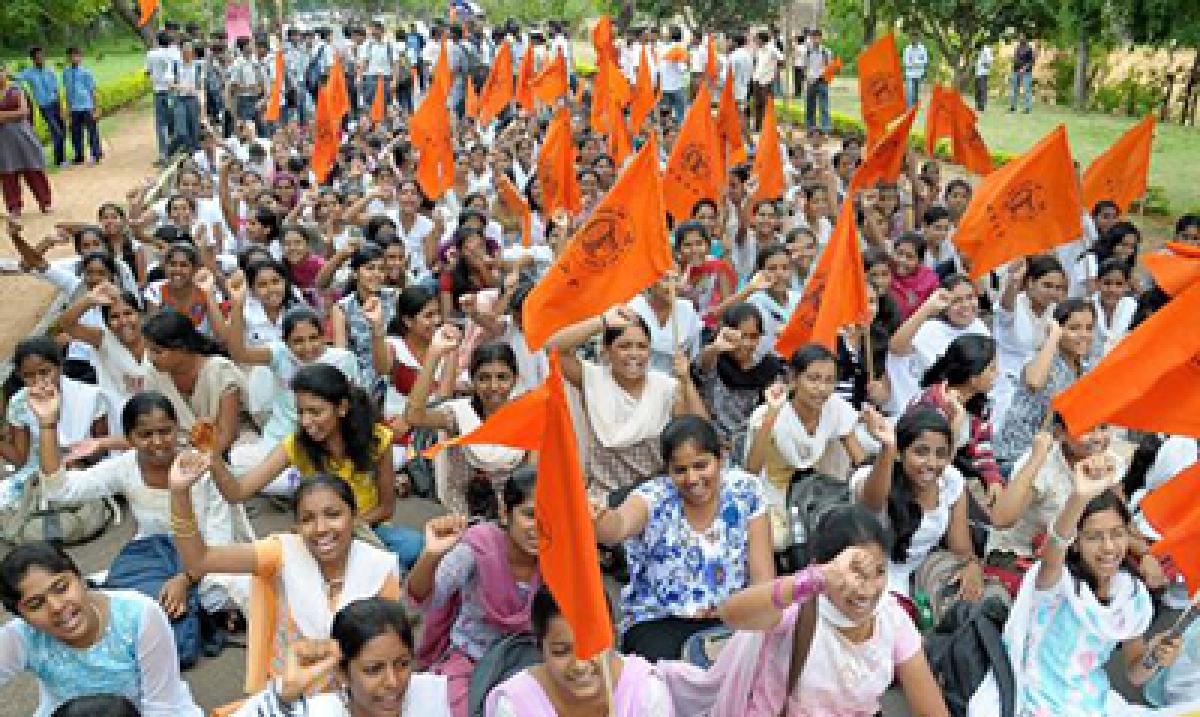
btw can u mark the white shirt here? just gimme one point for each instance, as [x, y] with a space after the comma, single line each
[562, 44]
[681, 332]
[190, 82]
[816, 59]
[742, 60]
[160, 64]
[983, 61]
[376, 57]
[672, 75]
[916, 57]
[766, 64]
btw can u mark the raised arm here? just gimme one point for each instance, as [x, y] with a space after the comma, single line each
[568, 339]
[68, 321]
[1093, 475]
[760, 440]
[417, 411]
[902, 341]
[875, 490]
[238, 489]
[1017, 495]
[198, 558]
[1037, 371]
[616, 525]
[235, 336]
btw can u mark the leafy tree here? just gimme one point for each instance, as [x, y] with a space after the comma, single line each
[1172, 24]
[704, 15]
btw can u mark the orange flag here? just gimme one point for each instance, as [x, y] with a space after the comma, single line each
[1157, 370]
[710, 62]
[498, 90]
[1172, 509]
[620, 144]
[729, 125]
[568, 560]
[551, 83]
[622, 248]
[836, 294]
[969, 148]
[511, 197]
[694, 169]
[472, 99]
[275, 101]
[524, 91]
[442, 79]
[939, 118]
[1120, 173]
[429, 128]
[610, 93]
[768, 159]
[885, 159]
[339, 97]
[556, 167]
[834, 67]
[643, 100]
[326, 135]
[1028, 206]
[880, 86]
[147, 7]
[677, 53]
[603, 39]
[1174, 272]
[378, 106]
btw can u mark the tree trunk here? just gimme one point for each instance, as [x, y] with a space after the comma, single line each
[1082, 51]
[128, 13]
[869, 22]
[1188, 116]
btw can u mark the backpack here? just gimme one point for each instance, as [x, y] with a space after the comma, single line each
[67, 524]
[419, 469]
[808, 499]
[505, 658]
[967, 644]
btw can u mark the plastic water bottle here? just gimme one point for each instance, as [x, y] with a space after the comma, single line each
[798, 533]
[924, 611]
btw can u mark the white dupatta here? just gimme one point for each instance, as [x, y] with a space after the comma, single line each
[620, 420]
[367, 568]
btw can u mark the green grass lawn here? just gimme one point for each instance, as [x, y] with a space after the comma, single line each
[1175, 159]
[108, 60]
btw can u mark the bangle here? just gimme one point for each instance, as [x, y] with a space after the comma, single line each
[807, 583]
[777, 600]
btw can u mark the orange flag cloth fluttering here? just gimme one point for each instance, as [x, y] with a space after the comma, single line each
[146, 8]
[1150, 381]
[881, 86]
[1028, 206]
[524, 89]
[622, 248]
[568, 560]
[939, 118]
[729, 125]
[378, 104]
[511, 197]
[836, 294]
[430, 131]
[768, 157]
[710, 60]
[335, 85]
[886, 158]
[642, 103]
[556, 167]
[327, 128]
[1176, 270]
[1173, 510]
[552, 82]
[1121, 172]
[472, 108]
[831, 70]
[497, 91]
[275, 101]
[694, 170]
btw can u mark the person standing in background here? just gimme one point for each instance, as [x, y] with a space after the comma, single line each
[1022, 76]
[80, 86]
[672, 74]
[216, 78]
[741, 61]
[766, 68]
[189, 86]
[376, 60]
[816, 98]
[20, 151]
[697, 59]
[243, 81]
[799, 85]
[916, 61]
[561, 42]
[43, 86]
[983, 69]
[414, 43]
[348, 51]
[298, 53]
[160, 68]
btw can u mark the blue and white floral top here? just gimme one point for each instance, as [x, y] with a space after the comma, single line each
[675, 571]
[134, 658]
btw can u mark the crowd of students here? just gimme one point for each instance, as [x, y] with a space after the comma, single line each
[241, 328]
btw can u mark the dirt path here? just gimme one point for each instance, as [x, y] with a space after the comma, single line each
[129, 149]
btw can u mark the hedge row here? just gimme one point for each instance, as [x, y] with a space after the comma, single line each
[110, 97]
[841, 124]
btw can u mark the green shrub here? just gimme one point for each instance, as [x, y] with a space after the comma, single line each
[110, 97]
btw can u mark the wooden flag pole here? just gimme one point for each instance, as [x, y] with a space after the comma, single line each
[606, 672]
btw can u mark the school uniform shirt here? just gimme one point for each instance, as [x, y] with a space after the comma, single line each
[816, 58]
[376, 57]
[672, 75]
[243, 76]
[190, 79]
[916, 58]
[42, 83]
[681, 332]
[742, 60]
[766, 64]
[161, 67]
[79, 85]
[983, 62]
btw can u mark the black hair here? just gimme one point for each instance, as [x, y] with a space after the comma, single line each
[904, 513]
[1108, 500]
[809, 354]
[958, 183]
[357, 427]
[966, 357]
[365, 619]
[24, 557]
[518, 488]
[324, 481]
[127, 298]
[1113, 264]
[1040, 265]
[843, 526]
[41, 346]
[544, 609]
[915, 240]
[364, 254]
[1104, 204]
[737, 314]
[767, 252]
[704, 202]
[690, 226]
[374, 224]
[172, 330]
[1185, 222]
[103, 705]
[409, 302]
[270, 219]
[187, 248]
[256, 267]
[612, 333]
[1106, 246]
[297, 315]
[78, 234]
[141, 404]
[933, 214]
[689, 428]
[1067, 307]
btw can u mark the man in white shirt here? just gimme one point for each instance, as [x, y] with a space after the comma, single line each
[160, 68]
[816, 98]
[673, 74]
[916, 60]
[741, 60]
[189, 100]
[376, 60]
[297, 54]
[766, 69]
[244, 82]
[983, 69]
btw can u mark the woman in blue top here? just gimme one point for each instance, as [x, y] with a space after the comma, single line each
[80, 641]
[693, 538]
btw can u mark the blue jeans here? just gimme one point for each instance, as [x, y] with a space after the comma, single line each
[912, 91]
[816, 99]
[677, 101]
[1021, 81]
[187, 125]
[162, 123]
[406, 543]
[300, 109]
[52, 113]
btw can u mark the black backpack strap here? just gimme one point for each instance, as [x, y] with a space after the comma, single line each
[993, 644]
[802, 637]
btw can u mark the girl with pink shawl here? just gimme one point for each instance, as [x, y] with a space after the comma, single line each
[475, 586]
[825, 642]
